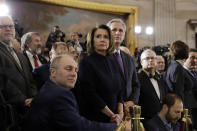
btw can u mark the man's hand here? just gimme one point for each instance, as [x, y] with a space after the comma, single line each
[28, 102]
[126, 107]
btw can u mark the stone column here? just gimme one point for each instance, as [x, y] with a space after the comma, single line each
[164, 29]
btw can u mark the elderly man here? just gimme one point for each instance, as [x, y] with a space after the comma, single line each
[191, 65]
[18, 83]
[127, 66]
[152, 88]
[55, 107]
[160, 64]
[32, 47]
[166, 119]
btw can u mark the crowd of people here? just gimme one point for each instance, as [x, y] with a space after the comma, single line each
[74, 86]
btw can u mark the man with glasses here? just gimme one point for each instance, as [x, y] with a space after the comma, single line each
[18, 89]
[152, 89]
[191, 65]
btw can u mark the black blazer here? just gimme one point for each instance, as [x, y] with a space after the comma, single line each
[130, 82]
[55, 109]
[41, 74]
[41, 59]
[149, 100]
[20, 84]
[156, 124]
[178, 80]
[191, 96]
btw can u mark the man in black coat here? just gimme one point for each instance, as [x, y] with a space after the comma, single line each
[191, 103]
[152, 89]
[128, 72]
[19, 88]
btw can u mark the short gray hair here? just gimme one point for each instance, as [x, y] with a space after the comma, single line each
[56, 60]
[145, 51]
[27, 38]
[159, 57]
[119, 21]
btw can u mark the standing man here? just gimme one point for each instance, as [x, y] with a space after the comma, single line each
[151, 86]
[191, 65]
[17, 90]
[160, 65]
[127, 66]
[76, 43]
[32, 47]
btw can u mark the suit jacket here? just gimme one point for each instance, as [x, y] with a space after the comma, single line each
[156, 124]
[149, 100]
[178, 80]
[19, 85]
[41, 74]
[41, 59]
[191, 96]
[130, 82]
[55, 109]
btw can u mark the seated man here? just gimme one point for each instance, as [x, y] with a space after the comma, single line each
[55, 107]
[166, 119]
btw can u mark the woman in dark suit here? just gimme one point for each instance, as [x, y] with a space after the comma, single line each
[99, 79]
[176, 77]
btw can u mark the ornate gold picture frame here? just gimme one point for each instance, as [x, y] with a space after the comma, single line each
[130, 12]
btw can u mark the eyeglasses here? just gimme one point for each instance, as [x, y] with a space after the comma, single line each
[149, 58]
[6, 26]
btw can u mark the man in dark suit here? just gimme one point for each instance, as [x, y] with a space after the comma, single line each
[127, 66]
[32, 48]
[55, 107]
[76, 43]
[191, 65]
[166, 119]
[41, 74]
[18, 89]
[152, 89]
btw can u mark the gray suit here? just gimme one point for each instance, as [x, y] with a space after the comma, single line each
[19, 83]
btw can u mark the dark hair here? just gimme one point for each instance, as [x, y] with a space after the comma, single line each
[170, 99]
[193, 50]
[179, 50]
[90, 40]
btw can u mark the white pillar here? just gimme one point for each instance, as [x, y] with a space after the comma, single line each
[165, 31]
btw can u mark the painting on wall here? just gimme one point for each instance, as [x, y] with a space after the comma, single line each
[42, 18]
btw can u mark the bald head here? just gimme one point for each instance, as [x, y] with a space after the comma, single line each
[7, 30]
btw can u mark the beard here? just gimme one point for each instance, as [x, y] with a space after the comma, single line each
[170, 119]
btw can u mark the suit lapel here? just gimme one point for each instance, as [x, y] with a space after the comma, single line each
[3, 49]
[152, 89]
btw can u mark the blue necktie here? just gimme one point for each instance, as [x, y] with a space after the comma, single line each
[118, 57]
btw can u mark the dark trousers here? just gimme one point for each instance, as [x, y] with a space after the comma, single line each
[194, 117]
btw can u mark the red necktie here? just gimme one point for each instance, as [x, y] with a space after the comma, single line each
[35, 61]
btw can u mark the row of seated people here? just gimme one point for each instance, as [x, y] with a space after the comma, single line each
[107, 85]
